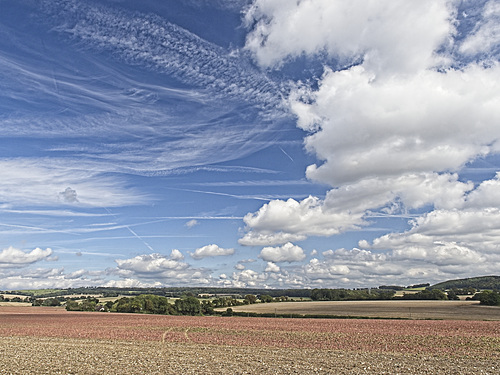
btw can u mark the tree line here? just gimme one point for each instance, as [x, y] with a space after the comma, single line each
[154, 304]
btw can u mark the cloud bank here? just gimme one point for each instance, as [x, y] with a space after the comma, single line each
[393, 120]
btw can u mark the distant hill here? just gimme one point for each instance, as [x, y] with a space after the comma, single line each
[483, 282]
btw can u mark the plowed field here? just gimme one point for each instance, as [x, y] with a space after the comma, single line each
[456, 310]
[52, 341]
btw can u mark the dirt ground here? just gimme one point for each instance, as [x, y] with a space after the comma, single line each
[457, 310]
[46, 340]
[28, 355]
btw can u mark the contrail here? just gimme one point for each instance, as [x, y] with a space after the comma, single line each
[45, 230]
[225, 194]
[134, 233]
[289, 157]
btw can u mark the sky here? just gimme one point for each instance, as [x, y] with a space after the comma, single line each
[248, 143]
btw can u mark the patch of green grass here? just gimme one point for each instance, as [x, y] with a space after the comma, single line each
[35, 292]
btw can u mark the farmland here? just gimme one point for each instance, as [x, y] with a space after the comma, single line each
[42, 340]
[461, 310]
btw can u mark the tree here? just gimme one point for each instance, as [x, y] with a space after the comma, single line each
[433, 294]
[266, 298]
[72, 306]
[452, 295]
[489, 298]
[188, 306]
[89, 304]
[250, 299]
[207, 307]
[51, 302]
[228, 312]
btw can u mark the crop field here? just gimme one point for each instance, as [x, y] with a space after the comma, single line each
[44, 340]
[460, 310]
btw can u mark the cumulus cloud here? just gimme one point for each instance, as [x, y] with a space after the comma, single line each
[477, 230]
[486, 34]
[131, 283]
[391, 131]
[392, 35]
[176, 255]
[432, 121]
[211, 251]
[268, 238]
[247, 278]
[40, 278]
[487, 194]
[324, 270]
[13, 257]
[272, 267]
[163, 270]
[346, 207]
[278, 222]
[151, 263]
[286, 253]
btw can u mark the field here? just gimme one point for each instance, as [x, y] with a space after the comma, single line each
[461, 310]
[44, 340]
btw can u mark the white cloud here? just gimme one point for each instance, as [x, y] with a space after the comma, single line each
[151, 264]
[211, 251]
[428, 122]
[256, 238]
[486, 34]
[391, 132]
[286, 253]
[163, 270]
[39, 182]
[247, 278]
[279, 221]
[192, 223]
[346, 207]
[69, 195]
[39, 278]
[239, 266]
[477, 230]
[12, 257]
[487, 194]
[131, 283]
[316, 269]
[272, 267]
[176, 255]
[395, 35]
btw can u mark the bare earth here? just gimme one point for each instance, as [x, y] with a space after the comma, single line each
[44, 340]
[26, 355]
[460, 310]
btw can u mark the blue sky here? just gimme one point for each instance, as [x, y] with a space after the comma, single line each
[281, 144]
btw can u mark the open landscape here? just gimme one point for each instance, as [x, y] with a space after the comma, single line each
[249, 187]
[47, 340]
[460, 310]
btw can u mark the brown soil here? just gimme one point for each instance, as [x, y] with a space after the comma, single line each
[455, 310]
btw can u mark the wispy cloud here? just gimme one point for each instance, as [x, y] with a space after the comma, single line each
[27, 229]
[247, 183]
[56, 213]
[146, 124]
[38, 182]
